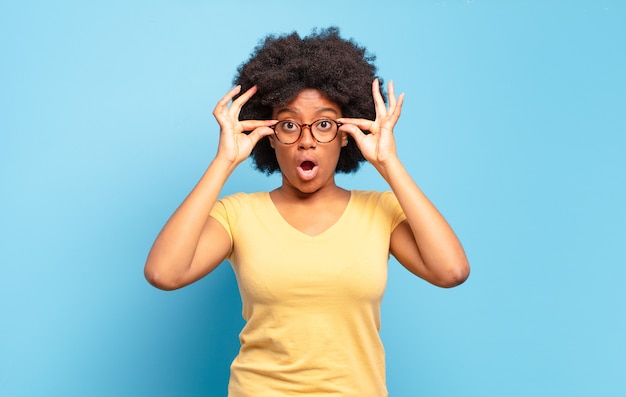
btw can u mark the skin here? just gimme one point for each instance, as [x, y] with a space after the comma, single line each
[302, 194]
[192, 244]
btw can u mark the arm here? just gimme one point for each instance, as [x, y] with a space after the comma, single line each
[425, 244]
[192, 244]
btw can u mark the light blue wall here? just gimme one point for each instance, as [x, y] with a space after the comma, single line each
[513, 124]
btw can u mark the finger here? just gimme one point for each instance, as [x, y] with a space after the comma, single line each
[238, 103]
[400, 101]
[395, 114]
[391, 95]
[223, 103]
[379, 102]
[259, 133]
[354, 131]
[243, 98]
[363, 124]
[249, 125]
[398, 107]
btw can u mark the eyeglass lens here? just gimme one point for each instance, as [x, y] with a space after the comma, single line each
[323, 130]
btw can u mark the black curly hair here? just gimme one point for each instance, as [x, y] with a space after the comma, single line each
[282, 66]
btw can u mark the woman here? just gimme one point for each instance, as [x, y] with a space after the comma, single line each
[310, 257]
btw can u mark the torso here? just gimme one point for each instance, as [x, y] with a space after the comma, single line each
[314, 214]
[311, 303]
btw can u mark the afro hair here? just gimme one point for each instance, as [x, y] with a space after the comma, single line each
[282, 66]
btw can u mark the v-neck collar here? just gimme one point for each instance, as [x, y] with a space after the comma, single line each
[292, 229]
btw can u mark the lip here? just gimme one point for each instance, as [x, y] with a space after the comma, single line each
[307, 174]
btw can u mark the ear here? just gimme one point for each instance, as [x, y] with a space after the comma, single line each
[344, 139]
[272, 143]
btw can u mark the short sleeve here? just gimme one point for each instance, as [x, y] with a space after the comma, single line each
[391, 205]
[227, 211]
[220, 213]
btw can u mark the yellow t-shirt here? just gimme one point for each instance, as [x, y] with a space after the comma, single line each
[311, 304]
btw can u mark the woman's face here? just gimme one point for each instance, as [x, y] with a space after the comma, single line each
[308, 165]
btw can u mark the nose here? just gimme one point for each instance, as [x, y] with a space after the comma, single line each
[306, 138]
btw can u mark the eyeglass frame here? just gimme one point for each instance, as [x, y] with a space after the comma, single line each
[310, 126]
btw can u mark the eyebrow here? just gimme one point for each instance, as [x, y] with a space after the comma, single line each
[295, 112]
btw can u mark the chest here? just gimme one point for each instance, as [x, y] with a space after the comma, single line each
[311, 221]
[277, 262]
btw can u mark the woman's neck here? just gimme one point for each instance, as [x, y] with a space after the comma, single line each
[327, 193]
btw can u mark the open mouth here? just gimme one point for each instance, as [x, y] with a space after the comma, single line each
[307, 165]
[307, 170]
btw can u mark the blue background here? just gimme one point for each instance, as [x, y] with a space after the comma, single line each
[513, 125]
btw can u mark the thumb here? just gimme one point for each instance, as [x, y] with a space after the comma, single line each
[260, 132]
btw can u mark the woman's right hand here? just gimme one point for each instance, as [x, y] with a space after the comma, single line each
[235, 144]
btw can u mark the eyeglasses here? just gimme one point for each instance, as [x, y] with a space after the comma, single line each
[323, 130]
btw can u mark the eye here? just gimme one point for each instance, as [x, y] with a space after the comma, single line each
[324, 125]
[288, 126]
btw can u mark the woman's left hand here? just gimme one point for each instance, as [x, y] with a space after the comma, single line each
[379, 145]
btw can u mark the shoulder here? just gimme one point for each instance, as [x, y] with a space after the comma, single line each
[232, 206]
[243, 199]
[384, 203]
[373, 197]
